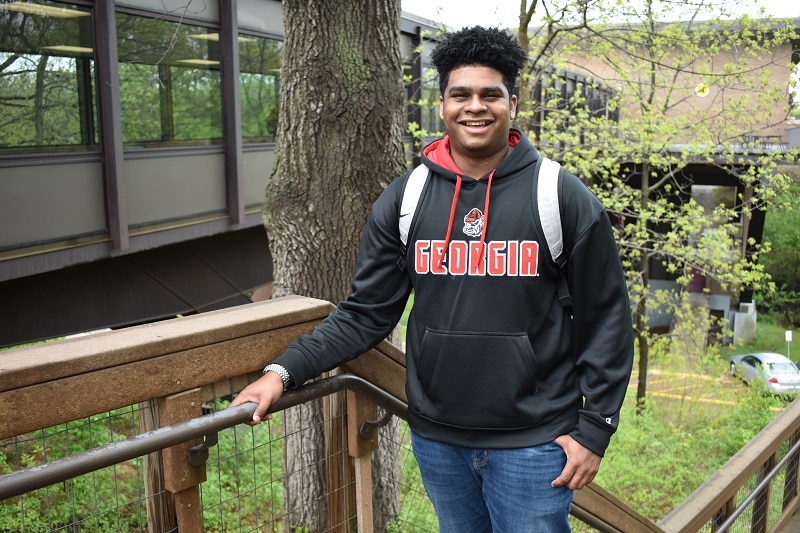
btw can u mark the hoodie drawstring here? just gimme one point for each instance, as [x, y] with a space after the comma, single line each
[486, 211]
[453, 207]
[450, 223]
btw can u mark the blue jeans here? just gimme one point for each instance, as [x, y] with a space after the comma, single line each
[495, 490]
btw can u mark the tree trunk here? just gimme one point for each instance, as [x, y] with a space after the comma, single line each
[339, 143]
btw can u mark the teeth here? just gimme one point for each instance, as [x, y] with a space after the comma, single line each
[482, 123]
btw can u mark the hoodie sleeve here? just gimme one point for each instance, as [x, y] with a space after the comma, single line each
[378, 297]
[602, 324]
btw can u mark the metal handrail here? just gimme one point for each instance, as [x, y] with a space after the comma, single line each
[207, 426]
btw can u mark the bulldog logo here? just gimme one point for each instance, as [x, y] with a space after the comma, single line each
[473, 223]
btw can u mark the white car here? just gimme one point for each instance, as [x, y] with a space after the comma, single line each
[778, 372]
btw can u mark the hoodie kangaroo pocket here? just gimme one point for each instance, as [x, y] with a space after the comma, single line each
[479, 380]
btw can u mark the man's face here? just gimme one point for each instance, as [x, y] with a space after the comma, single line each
[477, 111]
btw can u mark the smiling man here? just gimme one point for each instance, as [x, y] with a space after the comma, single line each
[513, 396]
[477, 111]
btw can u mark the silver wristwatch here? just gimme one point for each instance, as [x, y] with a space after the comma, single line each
[282, 372]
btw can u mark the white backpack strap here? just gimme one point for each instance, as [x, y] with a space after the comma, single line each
[549, 214]
[411, 194]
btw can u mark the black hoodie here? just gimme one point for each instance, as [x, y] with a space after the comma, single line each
[493, 359]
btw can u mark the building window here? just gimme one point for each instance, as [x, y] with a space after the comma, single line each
[47, 93]
[430, 103]
[170, 83]
[259, 67]
[423, 107]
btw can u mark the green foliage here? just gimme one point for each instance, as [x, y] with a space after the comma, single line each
[782, 231]
[40, 103]
[656, 460]
[170, 85]
[660, 456]
[770, 337]
[416, 508]
[244, 479]
[243, 486]
[404, 318]
[780, 301]
[427, 99]
[106, 495]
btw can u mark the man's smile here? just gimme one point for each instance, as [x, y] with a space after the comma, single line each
[475, 123]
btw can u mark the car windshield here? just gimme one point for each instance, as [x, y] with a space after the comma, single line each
[782, 368]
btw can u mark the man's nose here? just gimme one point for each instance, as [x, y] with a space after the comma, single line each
[475, 104]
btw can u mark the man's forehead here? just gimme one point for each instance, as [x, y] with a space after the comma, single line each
[475, 72]
[475, 78]
[480, 88]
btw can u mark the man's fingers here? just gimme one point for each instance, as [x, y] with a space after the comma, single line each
[581, 467]
[264, 391]
[261, 412]
[566, 476]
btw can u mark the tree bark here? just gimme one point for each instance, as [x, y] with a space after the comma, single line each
[339, 143]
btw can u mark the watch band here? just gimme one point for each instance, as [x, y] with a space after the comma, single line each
[282, 372]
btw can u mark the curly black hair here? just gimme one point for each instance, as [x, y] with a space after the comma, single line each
[488, 47]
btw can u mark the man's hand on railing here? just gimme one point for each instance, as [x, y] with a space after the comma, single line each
[265, 391]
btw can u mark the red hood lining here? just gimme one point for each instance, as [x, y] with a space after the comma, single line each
[439, 151]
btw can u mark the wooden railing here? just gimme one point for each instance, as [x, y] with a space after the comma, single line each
[178, 364]
[768, 465]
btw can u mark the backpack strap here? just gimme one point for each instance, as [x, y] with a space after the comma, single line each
[547, 203]
[550, 219]
[411, 194]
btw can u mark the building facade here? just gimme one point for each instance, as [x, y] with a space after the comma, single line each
[136, 141]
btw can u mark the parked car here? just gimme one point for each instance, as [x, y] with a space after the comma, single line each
[779, 373]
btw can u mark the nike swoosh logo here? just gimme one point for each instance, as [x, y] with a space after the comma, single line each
[406, 215]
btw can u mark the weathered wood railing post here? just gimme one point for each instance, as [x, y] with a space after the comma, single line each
[180, 477]
[160, 505]
[340, 494]
[760, 517]
[360, 447]
[792, 467]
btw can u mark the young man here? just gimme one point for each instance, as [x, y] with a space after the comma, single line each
[513, 398]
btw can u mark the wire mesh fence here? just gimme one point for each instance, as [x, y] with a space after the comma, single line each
[763, 498]
[292, 473]
[264, 478]
[108, 499]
